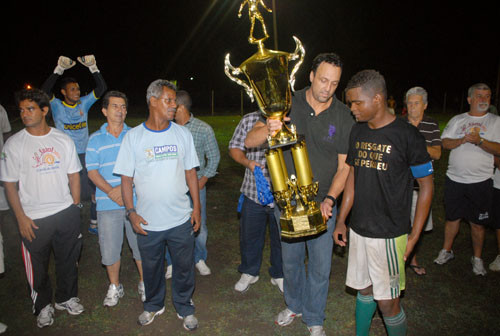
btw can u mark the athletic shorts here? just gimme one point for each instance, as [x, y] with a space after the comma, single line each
[377, 262]
[495, 220]
[471, 202]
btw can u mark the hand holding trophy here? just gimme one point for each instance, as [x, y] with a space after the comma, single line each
[270, 84]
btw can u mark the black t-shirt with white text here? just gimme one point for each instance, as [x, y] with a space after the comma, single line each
[382, 159]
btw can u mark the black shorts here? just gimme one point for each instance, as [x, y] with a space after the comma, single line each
[471, 202]
[495, 209]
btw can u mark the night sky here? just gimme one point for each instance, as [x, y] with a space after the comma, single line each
[444, 49]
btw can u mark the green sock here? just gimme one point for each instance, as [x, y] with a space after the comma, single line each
[396, 325]
[365, 308]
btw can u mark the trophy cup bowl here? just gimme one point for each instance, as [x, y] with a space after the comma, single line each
[270, 84]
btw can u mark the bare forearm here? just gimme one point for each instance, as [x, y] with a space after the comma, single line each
[424, 201]
[74, 186]
[14, 200]
[127, 192]
[347, 197]
[99, 181]
[490, 147]
[192, 183]
[340, 177]
[239, 156]
[257, 135]
[452, 143]
[434, 152]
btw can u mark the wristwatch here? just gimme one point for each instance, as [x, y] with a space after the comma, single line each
[129, 211]
[333, 199]
[481, 140]
[79, 205]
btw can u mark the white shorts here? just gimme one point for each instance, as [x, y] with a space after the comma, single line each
[428, 225]
[377, 262]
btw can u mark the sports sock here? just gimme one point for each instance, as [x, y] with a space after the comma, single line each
[365, 308]
[396, 325]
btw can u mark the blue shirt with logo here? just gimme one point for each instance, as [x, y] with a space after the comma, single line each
[158, 160]
[72, 119]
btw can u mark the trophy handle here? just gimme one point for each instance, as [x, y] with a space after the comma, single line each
[232, 72]
[299, 53]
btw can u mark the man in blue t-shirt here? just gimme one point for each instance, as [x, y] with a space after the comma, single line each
[102, 150]
[71, 116]
[159, 159]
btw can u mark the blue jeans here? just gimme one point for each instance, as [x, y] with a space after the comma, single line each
[253, 225]
[307, 292]
[180, 240]
[200, 247]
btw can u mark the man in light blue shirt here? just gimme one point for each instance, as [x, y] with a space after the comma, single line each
[208, 153]
[102, 150]
[159, 159]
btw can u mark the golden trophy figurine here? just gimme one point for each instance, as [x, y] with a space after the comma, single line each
[270, 84]
[253, 13]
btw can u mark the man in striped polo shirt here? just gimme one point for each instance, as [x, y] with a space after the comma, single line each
[416, 102]
[102, 150]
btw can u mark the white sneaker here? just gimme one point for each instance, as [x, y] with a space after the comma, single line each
[114, 294]
[245, 281]
[443, 257]
[278, 282]
[190, 322]
[168, 273]
[202, 267]
[147, 317]
[316, 331]
[46, 317]
[285, 317]
[477, 266]
[495, 265]
[72, 306]
[141, 290]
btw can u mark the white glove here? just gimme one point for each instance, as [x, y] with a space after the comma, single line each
[63, 63]
[89, 62]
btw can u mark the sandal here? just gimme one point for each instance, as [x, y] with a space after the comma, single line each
[419, 270]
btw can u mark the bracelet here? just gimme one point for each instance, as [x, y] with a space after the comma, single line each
[129, 211]
[333, 199]
[480, 142]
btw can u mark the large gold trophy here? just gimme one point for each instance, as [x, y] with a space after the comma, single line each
[270, 84]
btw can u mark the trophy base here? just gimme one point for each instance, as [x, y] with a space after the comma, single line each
[302, 225]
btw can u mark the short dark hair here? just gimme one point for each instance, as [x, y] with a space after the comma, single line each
[368, 80]
[116, 94]
[36, 95]
[183, 98]
[330, 58]
[67, 80]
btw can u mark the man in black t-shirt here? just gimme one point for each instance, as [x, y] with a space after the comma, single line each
[325, 122]
[384, 153]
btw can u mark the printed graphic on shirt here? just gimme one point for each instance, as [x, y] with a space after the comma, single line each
[371, 155]
[473, 127]
[75, 126]
[46, 160]
[158, 153]
[331, 132]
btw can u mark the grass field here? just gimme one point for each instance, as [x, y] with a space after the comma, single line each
[449, 300]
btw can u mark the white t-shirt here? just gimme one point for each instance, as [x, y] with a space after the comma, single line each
[157, 160]
[41, 165]
[469, 163]
[4, 125]
[496, 179]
